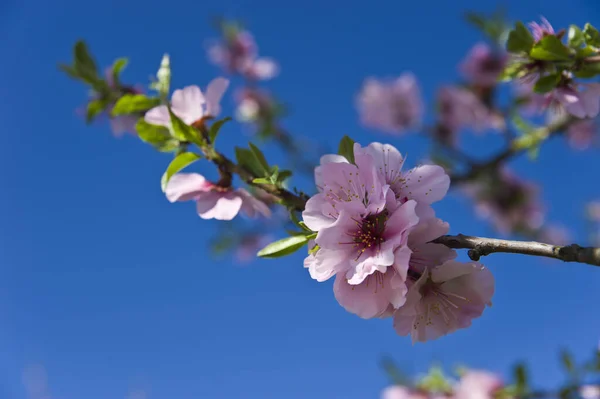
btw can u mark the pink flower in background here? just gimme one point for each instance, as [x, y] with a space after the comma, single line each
[510, 203]
[391, 106]
[249, 245]
[540, 30]
[483, 66]
[581, 134]
[533, 103]
[213, 201]
[555, 235]
[254, 105]
[443, 299]
[239, 54]
[400, 392]
[582, 101]
[190, 104]
[593, 211]
[461, 108]
[476, 384]
[590, 392]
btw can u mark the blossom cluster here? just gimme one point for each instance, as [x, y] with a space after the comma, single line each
[473, 384]
[374, 225]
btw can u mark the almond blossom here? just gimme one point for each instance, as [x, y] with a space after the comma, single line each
[582, 101]
[478, 384]
[239, 54]
[212, 200]
[444, 299]
[483, 66]
[392, 106]
[190, 104]
[581, 134]
[539, 30]
[401, 392]
[460, 108]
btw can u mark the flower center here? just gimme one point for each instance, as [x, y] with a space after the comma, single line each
[370, 233]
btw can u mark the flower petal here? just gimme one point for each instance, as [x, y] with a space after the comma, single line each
[220, 206]
[214, 92]
[187, 104]
[186, 187]
[158, 116]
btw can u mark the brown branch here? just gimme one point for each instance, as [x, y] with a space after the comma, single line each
[515, 149]
[481, 246]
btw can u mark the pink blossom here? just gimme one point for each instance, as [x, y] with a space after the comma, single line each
[554, 234]
[400, 392]
[444, 299]
[392, 106]
[581, 134]
[359, 243]
[593, 212]
[540, 30]
[510, 203]
[213, 201]
[249, 245]
[577, 102]
[476, 384]
[425, 184]
[461, 108]
[255, 105]
[590, 392]
[483, 66]
[239, 54]
[533, 103]
[190, 104]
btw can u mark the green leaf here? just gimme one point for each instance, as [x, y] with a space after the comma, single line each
[183, 132]
[216, 128]
[591, 35]
[519, 39]
[94, 108]
[132, 103]
[521, 379]
[284, 175]
[246, 159]
[346, 148]
[546, 83]
[83, 62]
[69, 70]
[262, 180]
[260, 158]
[158, 136]
[588, 70]
[550, 48]
[511, 71]
[179, 162]
[117, 68]
[283, 247]
[575, 36]
[567, 361]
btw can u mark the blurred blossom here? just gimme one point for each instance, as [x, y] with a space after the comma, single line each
[255, 105]
[476, 384]
[249, 245]
[137, 395]
[582, 100]
[593, 211]
[35, 381]
[531, 102]
[483, 66]
[581, 134]
[238, 53]
[400, 392]
[511, 204]
[390, 105]
[461, 108]
[539, 30]
[590, 392]
[555, 235]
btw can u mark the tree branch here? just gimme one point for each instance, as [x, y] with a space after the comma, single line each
[512, 151]
[481, 246]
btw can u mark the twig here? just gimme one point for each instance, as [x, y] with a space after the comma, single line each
[511, 151]
[481, 246]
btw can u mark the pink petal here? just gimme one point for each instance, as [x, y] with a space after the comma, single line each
[428, 184]
[186, 187]
[158, 116]
[264, 68]
[220, 206]
[214, 92]
[367, 300]
[326, 263]
[318, 213]
[402, 220]
[252, 205]
[187, 104]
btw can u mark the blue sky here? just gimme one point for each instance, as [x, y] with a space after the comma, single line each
[112, 289]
